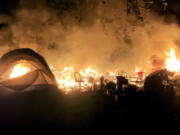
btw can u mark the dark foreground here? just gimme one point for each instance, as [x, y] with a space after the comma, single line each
[49, 109]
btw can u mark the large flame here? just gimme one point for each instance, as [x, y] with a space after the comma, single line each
[19, 70]
[172, 64]
[89, 72]
[66, 79]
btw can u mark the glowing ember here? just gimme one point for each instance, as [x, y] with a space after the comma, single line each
[172, 64]
[19, 70]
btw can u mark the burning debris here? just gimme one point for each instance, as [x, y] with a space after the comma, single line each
[70, 79]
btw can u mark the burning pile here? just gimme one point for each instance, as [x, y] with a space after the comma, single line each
[65, 78]
[69, 79]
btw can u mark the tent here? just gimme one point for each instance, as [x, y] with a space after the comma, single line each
[39, 74]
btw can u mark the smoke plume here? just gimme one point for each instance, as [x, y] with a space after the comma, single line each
[105, 34]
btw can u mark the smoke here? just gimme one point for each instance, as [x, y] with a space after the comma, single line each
[157, 62]
[105, 34]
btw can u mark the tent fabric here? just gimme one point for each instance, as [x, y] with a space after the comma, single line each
[42, 74]
[22, 81]
[11, 58]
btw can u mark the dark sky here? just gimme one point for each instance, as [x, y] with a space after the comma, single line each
[8, 7]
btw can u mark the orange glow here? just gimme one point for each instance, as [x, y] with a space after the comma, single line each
[19, 70]
[172, 64]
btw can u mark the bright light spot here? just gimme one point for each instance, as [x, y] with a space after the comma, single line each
[19, 70]
[112, 74]
[137, 69]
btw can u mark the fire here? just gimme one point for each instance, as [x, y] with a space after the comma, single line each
[19, 70]
[89, 72]
[172, 64]
[66, 78]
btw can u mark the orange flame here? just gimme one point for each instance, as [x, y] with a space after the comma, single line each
[172, 64]
[19, 70]
[89, 72]
[66, 80]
